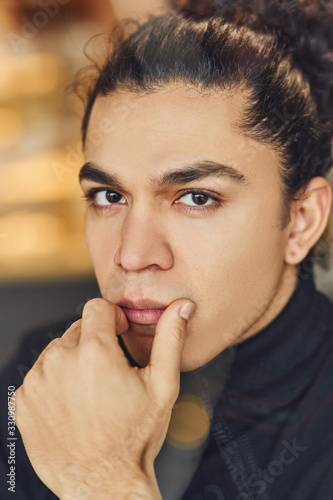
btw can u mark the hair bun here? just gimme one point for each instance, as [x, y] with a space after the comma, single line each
[303, 27]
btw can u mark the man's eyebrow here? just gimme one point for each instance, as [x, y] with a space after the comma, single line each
[92, 172]
[190, 172]
[198, 170]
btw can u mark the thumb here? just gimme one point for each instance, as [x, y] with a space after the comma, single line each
[169, 340]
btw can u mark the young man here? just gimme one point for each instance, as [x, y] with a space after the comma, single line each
[185, 206]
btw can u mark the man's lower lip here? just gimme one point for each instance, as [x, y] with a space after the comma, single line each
[143, 316]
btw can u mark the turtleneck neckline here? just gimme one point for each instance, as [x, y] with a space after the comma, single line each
[277, 364]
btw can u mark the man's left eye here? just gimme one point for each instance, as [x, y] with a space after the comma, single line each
[199, 198]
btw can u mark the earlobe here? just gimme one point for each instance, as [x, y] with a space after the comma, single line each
[309, 220]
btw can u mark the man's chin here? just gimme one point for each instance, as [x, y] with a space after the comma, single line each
[138, 340]
[139, 329]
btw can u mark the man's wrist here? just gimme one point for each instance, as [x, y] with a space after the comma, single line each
[143, 488]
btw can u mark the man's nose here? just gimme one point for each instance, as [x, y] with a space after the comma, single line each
[143, 242]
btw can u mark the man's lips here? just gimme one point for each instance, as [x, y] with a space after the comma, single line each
[143, 316]
[143, 311]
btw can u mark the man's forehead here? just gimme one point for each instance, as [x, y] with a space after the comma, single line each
[171, 104]
[122, 134]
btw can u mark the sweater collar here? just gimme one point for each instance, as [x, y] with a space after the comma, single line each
[277, 364]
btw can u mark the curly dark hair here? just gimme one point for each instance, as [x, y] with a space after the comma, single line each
[279, 51]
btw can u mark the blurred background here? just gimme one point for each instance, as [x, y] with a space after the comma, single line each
[45, 270]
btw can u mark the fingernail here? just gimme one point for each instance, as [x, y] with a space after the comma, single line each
[187, 310]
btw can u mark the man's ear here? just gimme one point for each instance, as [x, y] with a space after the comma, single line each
[309, 218]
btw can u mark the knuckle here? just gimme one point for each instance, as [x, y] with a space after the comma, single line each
[54, 343]
[52, 351]
[73, 332]
[30, 383]
[93, 306]
[75, 326]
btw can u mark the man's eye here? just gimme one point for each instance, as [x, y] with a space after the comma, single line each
[199, 198]
[105, 197]
[102, 199]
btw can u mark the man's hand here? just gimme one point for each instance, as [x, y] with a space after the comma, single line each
[91, 424]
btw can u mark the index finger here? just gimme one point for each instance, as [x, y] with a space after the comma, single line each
[104, 320]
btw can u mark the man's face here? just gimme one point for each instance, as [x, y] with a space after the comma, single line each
[157, 242]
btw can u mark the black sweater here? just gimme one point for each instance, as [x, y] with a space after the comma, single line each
[270, 401]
